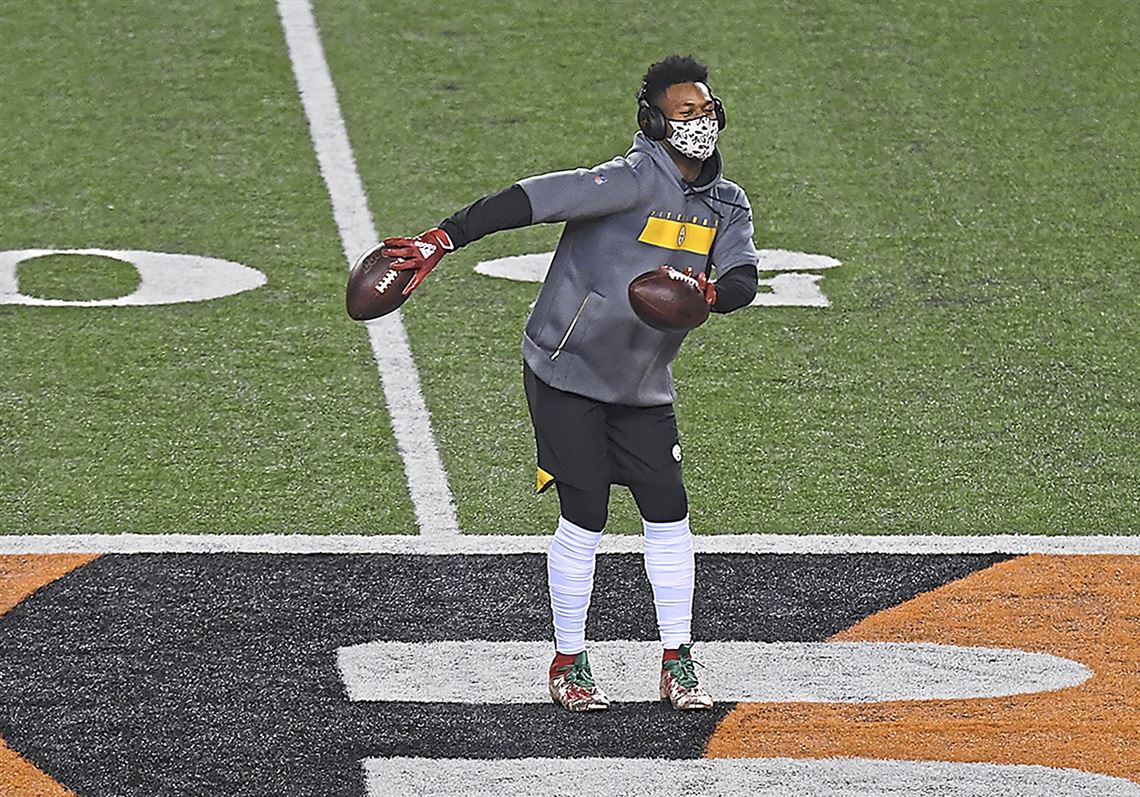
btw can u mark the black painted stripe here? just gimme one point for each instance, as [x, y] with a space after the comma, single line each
[215, 673]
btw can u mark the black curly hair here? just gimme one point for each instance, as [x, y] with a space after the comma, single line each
[669, 71]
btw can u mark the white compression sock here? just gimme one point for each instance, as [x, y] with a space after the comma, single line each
[670, 566]
[570, 570]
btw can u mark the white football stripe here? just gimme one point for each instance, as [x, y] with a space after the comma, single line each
[411, 423]
[831, 672]
[492, 544]
[761, 777]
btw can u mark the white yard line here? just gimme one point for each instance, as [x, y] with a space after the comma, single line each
[478, 544]
[411, 423]
[725, 777]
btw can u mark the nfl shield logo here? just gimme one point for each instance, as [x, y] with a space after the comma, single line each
[599, 179]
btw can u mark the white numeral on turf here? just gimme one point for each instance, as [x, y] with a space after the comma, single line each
[163, 278]
[789, 288]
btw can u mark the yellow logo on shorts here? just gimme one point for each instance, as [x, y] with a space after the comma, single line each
[542, 481]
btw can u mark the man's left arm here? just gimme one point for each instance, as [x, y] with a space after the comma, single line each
[735, 289]
[736, 258]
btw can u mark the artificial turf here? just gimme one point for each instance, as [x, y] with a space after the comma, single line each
[972, 165]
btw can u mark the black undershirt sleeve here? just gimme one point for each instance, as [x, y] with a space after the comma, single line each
[735, 289]
[504, 210]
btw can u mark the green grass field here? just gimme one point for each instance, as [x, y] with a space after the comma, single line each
[973, 165]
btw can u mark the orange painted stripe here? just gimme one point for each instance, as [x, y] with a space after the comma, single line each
[1085, 608]
[20, 576]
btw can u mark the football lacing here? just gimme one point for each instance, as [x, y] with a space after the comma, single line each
[387, 281]
[677, 275]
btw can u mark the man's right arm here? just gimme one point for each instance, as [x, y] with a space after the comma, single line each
[606, 189]
[503, 210]
[557, 196]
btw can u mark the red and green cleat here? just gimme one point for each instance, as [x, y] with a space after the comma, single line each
[572, 686]
[679, 683]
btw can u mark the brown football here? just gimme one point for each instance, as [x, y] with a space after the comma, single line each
[374, 287]
[668, 300]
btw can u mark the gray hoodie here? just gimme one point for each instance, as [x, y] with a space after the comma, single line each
[625, 217]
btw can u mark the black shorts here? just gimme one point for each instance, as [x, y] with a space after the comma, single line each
[590, 445]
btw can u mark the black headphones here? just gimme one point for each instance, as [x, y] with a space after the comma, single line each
[653, 123]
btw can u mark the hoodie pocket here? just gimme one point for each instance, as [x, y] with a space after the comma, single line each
[591, 298]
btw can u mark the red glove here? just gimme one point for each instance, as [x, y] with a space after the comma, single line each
[421, 253]
[704, 286]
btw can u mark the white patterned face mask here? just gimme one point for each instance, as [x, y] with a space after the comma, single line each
[694, 138]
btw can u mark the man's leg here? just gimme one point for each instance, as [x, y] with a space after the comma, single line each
[570, 564]
[570, 436]
[650, 461]
[669, 560]
[670, 565]
[570, 572]
[648, 450]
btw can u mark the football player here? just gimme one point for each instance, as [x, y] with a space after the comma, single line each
[598, 380]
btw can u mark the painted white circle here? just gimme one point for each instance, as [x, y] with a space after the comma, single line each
[164, 278]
